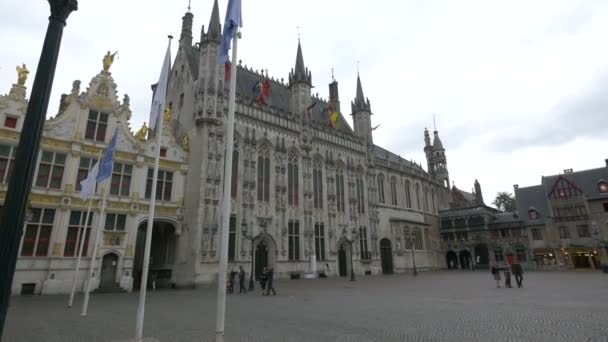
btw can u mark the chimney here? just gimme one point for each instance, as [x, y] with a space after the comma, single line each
[606, 160]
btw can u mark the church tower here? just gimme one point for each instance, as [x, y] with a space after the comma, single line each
[361, 112]
[439, 161]
[300, 84]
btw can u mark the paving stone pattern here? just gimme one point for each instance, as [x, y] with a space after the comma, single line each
[435, 306]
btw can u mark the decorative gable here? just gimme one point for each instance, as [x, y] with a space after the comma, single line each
[564, 189]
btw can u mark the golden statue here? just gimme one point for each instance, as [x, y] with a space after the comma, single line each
[142, 134]
[22, 73]
[108, 59]
[185, 142]
[167, 116]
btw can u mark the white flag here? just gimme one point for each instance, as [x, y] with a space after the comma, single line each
[158, 102]
[88, 184]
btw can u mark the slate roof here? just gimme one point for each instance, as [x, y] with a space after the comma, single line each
[385, 154]
[532, 197]
[586, 180]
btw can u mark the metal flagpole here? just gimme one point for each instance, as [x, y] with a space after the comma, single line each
[82, 241]
[223, 266]
[100, 223]
[141, 309]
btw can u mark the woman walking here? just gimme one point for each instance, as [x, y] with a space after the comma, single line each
[496, 273]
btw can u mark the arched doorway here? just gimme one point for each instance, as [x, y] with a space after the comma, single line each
[482, 255]
[162, 254]
[465, 259]
[452, 260]
[109, 266]
[342, 265]
[386, 256]
[261, 257]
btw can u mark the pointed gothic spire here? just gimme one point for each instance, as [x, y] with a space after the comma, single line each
[300, 73]
[361, 104]
[437, 144]
[215, 29]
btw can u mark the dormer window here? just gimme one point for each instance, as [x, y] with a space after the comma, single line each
[97, 125]
[602, 186]
[533, 214]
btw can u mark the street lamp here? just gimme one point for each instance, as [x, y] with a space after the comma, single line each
[20, 185]
[249, 237]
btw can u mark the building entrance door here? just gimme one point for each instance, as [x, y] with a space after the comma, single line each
[109, 265]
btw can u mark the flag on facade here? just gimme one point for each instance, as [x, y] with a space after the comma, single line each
[227, 71]
[158, 102]
[232, 20]
[333, 116]
[105, 167]
[88, 184]
[309, 110]
[261, 91]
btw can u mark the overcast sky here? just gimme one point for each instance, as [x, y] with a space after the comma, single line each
[519, 88]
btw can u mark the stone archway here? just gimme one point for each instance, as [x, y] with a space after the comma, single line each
[386, 256]
[344, 255]
[451, 260]
[264, 254]
[162, 253]
[465, 259]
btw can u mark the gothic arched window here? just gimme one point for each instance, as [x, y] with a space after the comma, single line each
[264, 173]
[360, 197]
[340, 205]
[418, 196]
[317, 184]
[235, 171]
[394, 191]
[426, 199]
[292, 179]
[381, 188]
[408, 194]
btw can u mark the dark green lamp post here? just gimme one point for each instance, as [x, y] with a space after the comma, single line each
[20, 185]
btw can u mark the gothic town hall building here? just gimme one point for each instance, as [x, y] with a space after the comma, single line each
[306, 198]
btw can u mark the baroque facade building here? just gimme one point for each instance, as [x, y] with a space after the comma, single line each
[306, 198]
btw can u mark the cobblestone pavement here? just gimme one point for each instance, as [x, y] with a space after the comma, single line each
[435, 306]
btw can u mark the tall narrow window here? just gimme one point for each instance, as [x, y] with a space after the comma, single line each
[121, 179]
[164, 185]
[235, 174]
[232, 239]
[78, 233]
[418, 197]
[427, 239]
[408, 194]
[97, 125]
[292, 180]
[294, 240]
[417, 239]
[426, 199]
[50, 170]
[7, 158]
[433, 201]
[84, 167]
[37, 236]
[394, 191]
[363, 243]
[264, 174]
[340, 205]
[317, 184]
[360, 196]
[381, 188]
[319, 241]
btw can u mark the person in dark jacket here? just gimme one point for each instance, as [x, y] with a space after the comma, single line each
[232, 280]
[506, 268]
[242, 287]
[518, 272]
[269, 282]
[496, 274]
[264, 279]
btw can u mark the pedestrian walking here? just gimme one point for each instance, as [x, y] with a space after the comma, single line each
[507, 270]
[496, 273]
[264, 279]
[232, 280]
[242, 280]
[518, 272]
[269, 282]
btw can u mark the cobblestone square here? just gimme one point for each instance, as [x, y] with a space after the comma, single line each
[435, 306]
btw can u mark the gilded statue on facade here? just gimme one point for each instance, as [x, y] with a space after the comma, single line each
[108, 59]
[167, 115]
[142, 134]
[185, 142]
[22, 73]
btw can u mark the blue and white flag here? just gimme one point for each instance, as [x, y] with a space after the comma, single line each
[105, 168]
[88, 184]
[158, 102]
[233, 19]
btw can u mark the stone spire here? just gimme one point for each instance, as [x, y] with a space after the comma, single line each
[214, 32]
[478, 194]
[185, 38]
[300, 73]
[428, 151]
[361, 104]
[437, 144]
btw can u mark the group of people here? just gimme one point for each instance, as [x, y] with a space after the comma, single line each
[507, 269]
[266, 280]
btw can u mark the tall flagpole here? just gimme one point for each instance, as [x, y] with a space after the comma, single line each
[100, 223]
[223, 266]
[82, 241]
[141, 309]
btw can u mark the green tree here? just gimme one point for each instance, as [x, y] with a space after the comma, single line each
[505, 202]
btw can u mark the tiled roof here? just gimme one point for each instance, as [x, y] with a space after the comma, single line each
[532, 197]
